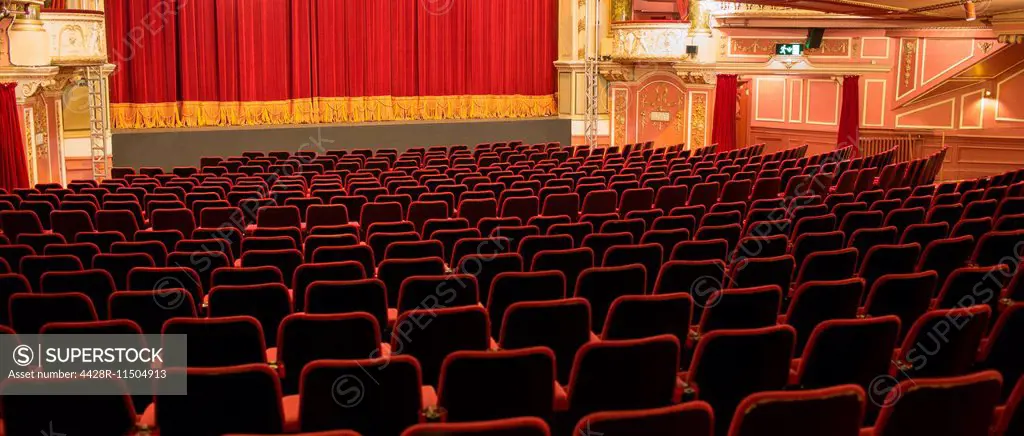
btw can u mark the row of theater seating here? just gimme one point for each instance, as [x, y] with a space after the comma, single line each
[243, 399]
[736, 267]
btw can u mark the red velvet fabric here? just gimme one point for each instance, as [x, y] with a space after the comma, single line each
[723, 126]
[849, 115]
[13, 162]
[277, 50]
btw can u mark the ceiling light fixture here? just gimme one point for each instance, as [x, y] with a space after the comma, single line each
[969, 9]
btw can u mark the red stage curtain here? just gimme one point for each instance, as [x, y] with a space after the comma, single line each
[13, 162]
[723, 126]
[849, 116]
[240, 62]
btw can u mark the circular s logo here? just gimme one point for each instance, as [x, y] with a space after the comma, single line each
[170, 293]
[884, 391]
[23, 355]
[437, 7]
[705, 293]
[348, 391]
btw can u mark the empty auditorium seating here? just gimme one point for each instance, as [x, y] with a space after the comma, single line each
[542, 290]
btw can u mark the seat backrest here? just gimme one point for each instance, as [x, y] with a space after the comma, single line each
[268, 303]
[30, 312]
[848, 351]
[167, 238]
[602, 285]
[338, 336]
[920, 357]
[561, 325]
[599, 243]
[741, 308]
[960, 405]
[450, 330]
[750, 272]
[240, 399]
[151, 309]
[33, 267]
[999, 247]
[827, 265]
[623, 375]
[278, 216]
[437, 291]
[508, 288]
[96, 284]
[10, 284]
[40, 241]
[815, 302]
[368, 295]
[307, 274]
[834, 411]
[647, 255]
[89, 414]
[729, 365]
[974, 285]
[1001, 351]
[514, 382]
[529, 246]
[882, 259]
[1012, 419]
[225, 341]
[641, 316]
[16, 222]
[160, 278]
[394, 271]
[522, 426]
[695, 417]
[945, 255]
[287, 261]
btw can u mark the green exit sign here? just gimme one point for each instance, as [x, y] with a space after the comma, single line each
[789, 49]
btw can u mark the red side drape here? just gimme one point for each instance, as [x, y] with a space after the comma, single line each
[13, 162]
[723, 126]
[849, 116]
[200, 63]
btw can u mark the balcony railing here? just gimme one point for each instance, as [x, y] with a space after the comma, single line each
[649, 41]
[77, 36]
[80, 5]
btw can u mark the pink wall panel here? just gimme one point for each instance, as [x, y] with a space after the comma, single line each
[662, 112]
[875, 48]
[776, 139]
[940, 56]
[972, 110]
[796, 100]
[1009, 92]
[873, 96]
[938, 115]
[822, 102]
[770, 99]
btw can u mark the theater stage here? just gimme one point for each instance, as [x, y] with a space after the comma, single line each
[168, 148]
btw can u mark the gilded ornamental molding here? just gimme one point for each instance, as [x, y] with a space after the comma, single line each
[649, 41]
[691, 76]
[613, 72]
[735, 9]
[30, 79]
[76, 38]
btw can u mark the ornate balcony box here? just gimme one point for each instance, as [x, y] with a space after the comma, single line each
[77, 37]
[649, 41]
